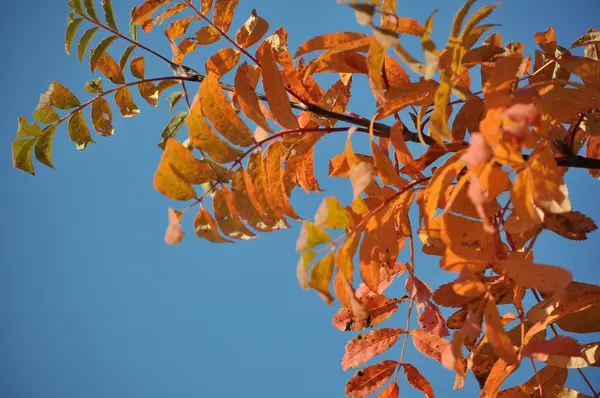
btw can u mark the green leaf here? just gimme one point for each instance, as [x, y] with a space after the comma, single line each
[84, 42]
[79, 132]
[61, 97]
[43, 147]
[94, 86]
[125, 56]
[174, 98]
[44, 111]
[91, 9]
[99, 51]
[27, 130]
[75, 5]
[133, 28]
[124, 101]
[101, 116]
[172, 128]
[22, 154]
[70, 33]
[109, 15]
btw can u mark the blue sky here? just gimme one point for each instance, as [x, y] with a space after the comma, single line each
[93, 303]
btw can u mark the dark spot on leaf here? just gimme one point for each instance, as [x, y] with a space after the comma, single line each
[359, 337]
[360, 373]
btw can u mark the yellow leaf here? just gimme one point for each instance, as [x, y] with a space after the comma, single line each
[320, 277]
[432, 57]
[78, 131]
[438, 123]
[311, 236]
[331, 214]
[101, 116]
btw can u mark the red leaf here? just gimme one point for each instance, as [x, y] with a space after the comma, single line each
[365, 381]
[416, 379]
[363, 347]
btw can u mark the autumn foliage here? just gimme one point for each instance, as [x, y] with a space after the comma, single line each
[490, 181]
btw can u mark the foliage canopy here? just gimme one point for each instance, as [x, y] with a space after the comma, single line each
[490, 181]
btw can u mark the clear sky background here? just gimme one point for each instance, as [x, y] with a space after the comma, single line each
[94, 304]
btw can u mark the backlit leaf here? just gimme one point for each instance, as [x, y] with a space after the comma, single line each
[363, 347]
[43, 147]
[572, 225]
[174, 233]
[97, 53]
[429, 344]
[416, 379]
[311, 236]
[320, 277]
[274, 88]
[227, 218]
[61, 97]
[222, 61]
[494, 331]
[101, 116]
[125, 56]
[94, 86]
[124, 101]
[78, 131]
[218, 110]
[390, 391]
[144, 11]
[70, 33]
[439, 118]
[331, 214]
[206, 227]
[109, 68]
[21, 152]
[109, 15]
[207, 35]
[247, 97]
[138, 67]
[251, 31]
[327, 41]
[44, 111]
[275, 184]
[546, 278]
[361, 175]
[223, 13]
[84, 42]
[369, 379]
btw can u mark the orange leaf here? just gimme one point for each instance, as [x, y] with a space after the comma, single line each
[247, 97]
[500, 371]
[251, 31]
[227, 218]
[204, 138]
[143, 12]
[207, 35]
[416, 379]
[378, 307]
[178, 28]
[432, 321]
[206, 227]
[327, 41]
[223, 13]
[365, 381]
[218, 110]
[494, 330]
[546, 278]
[400, 97]
[275, 180]
[277, 97]
[557, 351]
[222, 61]
[363, 347]
[245, 201]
